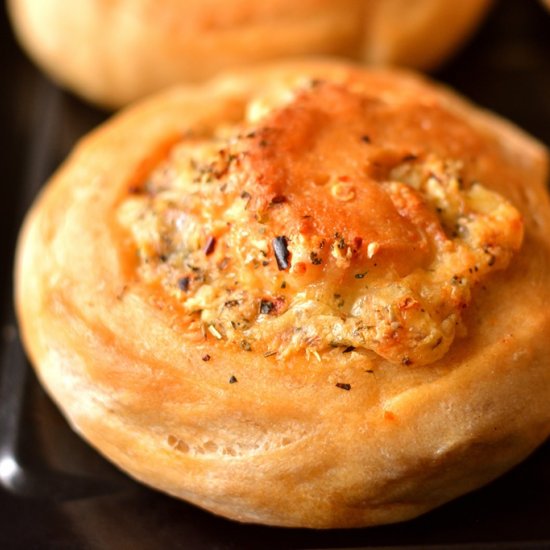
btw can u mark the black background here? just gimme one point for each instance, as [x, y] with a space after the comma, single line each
[66, 496]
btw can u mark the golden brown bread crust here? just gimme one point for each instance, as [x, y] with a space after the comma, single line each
[327, 440]
[112, 52]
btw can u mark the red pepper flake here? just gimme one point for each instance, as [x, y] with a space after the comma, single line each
[233, 379]
[183, 283]
[357, 243]
[206, 357]
[278, 199]
[278, 304]
[210, 245]
[282, 254]
[388, 415]
[343, 386]
[135, 190]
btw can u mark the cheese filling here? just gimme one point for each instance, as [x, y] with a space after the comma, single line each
[307, 227]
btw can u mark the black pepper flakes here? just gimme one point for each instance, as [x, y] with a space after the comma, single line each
[349, 349]
[343, 386]
[406, 361]
[341, 242]
[206, 357]
[233, 379]
[245, 195]
[210, 245]
[360, 275]
[183, 283]
[266, 307]
[282, 254]
[314, 257]
[339, 300]
[365, 139]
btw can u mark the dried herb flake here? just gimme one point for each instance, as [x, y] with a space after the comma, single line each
[245, 345]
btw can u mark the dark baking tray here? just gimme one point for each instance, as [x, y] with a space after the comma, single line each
[56, 492]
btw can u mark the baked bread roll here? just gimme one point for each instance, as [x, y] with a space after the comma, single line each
[114, 52]
[304, 295]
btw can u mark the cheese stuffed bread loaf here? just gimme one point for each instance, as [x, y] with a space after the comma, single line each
[114, 51]
[305, 294]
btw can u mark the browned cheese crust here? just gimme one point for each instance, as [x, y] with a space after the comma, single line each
[114, 51]
[304, 295]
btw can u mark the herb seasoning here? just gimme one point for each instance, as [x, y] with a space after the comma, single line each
[282, 254]
[245, 345]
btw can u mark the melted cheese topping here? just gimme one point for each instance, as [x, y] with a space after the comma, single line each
[318, 223]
